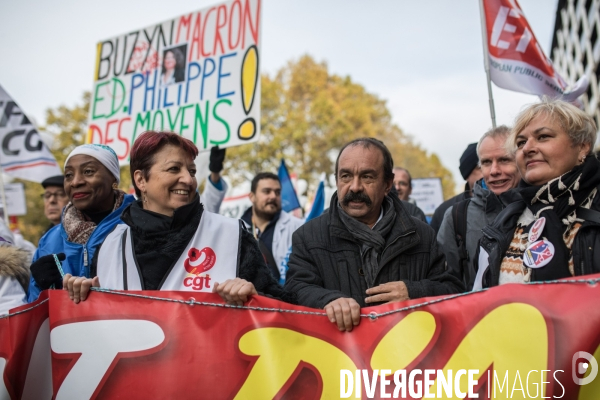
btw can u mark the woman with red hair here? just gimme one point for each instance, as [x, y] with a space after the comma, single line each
[169, 241]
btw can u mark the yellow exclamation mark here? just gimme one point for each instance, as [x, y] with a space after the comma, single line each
[247, 128]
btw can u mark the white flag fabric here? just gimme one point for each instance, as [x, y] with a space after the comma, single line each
[517, 62]
[23, 154]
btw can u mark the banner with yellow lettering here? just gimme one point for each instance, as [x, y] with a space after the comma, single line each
[515, 341]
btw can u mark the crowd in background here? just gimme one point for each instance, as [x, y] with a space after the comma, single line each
[530, 212]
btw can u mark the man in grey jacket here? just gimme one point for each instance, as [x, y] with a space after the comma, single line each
[366, 249]
[500, 174]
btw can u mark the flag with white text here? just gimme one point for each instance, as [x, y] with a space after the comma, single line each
[24, 155]
[517, 61]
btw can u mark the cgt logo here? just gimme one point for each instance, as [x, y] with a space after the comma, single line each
[200, 261]
[580, 367]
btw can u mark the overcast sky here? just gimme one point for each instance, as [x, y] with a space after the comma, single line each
[424, 57]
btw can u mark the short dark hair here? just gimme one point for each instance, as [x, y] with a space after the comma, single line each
[407, 173]
[148, 144]
[367, 142]
[260, 176]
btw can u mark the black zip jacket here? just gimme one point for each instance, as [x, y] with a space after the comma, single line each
[325, 263]
[497, 237]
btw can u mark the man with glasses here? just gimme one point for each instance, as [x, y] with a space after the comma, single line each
[403, 188]
[55, 198]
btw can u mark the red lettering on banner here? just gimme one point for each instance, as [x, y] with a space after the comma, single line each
[253, 26]
[108, 140]
[123, 139]
[186, 23]
[218, 29]
[196, 38]
[232, 45]
[93, 131]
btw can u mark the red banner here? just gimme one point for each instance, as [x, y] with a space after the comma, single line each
[514, 341]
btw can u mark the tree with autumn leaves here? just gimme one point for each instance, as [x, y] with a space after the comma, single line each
[307, 115]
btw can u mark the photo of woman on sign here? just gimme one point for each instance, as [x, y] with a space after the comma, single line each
[173, 65]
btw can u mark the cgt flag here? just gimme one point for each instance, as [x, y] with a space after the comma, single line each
[24, 155]
[289, 199]
[517, 61]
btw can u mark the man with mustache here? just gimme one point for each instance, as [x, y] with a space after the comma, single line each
[500, 174]
[271, 226]
[366, 249]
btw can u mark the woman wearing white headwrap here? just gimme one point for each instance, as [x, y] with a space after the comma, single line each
[95, 206]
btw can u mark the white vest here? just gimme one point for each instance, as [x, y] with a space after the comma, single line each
[211, 256]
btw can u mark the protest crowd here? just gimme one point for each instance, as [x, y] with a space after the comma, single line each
[530, 212]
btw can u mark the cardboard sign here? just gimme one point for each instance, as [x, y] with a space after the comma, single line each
[428, 194]
[197, 75]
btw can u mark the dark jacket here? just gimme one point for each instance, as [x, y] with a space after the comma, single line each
[483, 209]
[438, 214]
[325, 263]
[414, 211]
[497, 237]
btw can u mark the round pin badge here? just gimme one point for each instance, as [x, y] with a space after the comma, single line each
[538, 254]
[536, 230]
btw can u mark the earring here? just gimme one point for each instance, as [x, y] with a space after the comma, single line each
[115, 186]
[582, 160]
[144, 198]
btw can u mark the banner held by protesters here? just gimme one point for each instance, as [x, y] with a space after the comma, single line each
[197, 75]
[269, 349]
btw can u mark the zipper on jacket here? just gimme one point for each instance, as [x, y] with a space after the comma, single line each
[85, 257]
[399, 251]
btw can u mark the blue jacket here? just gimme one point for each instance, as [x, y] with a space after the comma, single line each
[79, 257]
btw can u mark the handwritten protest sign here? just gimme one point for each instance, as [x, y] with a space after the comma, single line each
[196, 75]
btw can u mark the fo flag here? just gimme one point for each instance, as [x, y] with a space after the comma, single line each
[517, 61]
[289, 199]
[24, 155]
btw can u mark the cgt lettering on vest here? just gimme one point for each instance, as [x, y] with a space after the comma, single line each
[197, 282]
[208, 250]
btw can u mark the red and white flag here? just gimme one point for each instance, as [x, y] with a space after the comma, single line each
[517, 62]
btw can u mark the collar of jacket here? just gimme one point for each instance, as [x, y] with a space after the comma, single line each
[488, 200]
[404, 229]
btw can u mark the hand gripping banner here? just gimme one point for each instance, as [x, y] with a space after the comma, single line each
[514, 341]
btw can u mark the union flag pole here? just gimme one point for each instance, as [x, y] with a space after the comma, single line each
[486, 63]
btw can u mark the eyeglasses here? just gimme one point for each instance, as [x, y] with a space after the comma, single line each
[49, 195]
